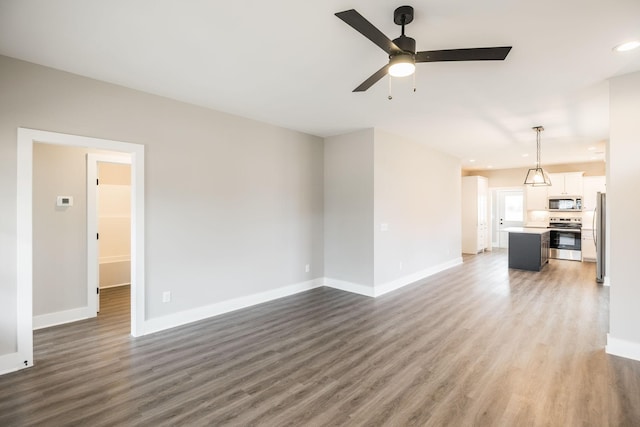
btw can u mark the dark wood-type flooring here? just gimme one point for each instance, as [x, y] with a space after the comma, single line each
[476, 345]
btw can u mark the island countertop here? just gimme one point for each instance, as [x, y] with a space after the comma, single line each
[527, 230]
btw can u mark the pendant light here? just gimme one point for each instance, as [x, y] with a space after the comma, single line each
[537, 176]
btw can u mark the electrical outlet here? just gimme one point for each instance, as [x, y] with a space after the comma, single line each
[166, 296]
[306, 268]
[400, 265]
[384, 226]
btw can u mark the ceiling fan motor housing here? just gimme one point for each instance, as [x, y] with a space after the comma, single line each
[403, 16]
[407, 44]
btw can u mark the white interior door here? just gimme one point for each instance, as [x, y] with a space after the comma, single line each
[509, 213]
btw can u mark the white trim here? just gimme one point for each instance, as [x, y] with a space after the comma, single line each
[354, 288]
[61, 317]
[412, 278]
[623, 348]
[384, 288]
[201, 313]
[24, 291]
[606, 282]
[12, 362]
[24, 300]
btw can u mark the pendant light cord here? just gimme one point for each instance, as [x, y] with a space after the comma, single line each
[538, 129]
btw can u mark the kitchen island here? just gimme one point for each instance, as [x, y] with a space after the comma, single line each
[528, 248]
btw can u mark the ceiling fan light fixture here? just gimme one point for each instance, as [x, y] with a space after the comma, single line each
[402, 65]
[537, 177]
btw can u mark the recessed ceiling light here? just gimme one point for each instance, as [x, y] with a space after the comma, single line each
[472, 160]
[490, 167]
[624, 47]
[591, 148]
[525, 155]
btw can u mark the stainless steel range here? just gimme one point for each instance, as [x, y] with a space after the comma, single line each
[565, 238]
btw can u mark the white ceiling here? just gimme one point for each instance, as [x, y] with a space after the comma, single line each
[295, 64]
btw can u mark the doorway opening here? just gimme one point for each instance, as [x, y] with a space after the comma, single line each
[108, 222]
[507, 210]
[24, 296]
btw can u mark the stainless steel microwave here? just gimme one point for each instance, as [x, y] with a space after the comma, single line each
[565, 203]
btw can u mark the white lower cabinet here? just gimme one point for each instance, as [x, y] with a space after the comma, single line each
[588, 247]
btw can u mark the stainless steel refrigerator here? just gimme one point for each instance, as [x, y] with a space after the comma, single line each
[599, 235]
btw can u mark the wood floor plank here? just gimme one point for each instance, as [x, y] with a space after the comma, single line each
[478, 344]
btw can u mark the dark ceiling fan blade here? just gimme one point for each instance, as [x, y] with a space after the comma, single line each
[373, 79]
[475, 54]
[366, 28]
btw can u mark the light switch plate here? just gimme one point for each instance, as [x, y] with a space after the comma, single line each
[64, 201]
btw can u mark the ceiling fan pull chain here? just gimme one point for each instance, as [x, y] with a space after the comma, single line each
[390, 97]
[414, 82]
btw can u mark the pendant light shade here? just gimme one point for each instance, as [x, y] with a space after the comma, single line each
[537, 176]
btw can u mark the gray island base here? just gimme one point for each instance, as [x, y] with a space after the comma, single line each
[528, 248]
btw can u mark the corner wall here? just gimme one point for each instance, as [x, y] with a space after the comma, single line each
[623, 205]
[417, 213]
[392, 212]
[348, 211]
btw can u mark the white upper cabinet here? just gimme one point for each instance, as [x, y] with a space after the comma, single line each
[565, 184]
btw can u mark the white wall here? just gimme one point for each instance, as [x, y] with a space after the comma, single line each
[417, 194]
[623, 204]
[348, 204]
[59, 233]
[234, 207]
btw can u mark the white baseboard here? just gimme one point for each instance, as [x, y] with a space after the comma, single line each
[378, 290]
[414, 277]
[115, 258]
[60, 317]
[12, 362]
[201, 313]
[354, 288]
[114, 286]
[623, 348]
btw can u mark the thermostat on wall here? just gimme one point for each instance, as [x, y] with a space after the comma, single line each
[64, 201]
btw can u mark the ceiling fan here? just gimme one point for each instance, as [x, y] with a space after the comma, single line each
[402, 51]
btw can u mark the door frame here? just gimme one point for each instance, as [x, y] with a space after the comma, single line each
[495, 222]
[24, 291]
[93, 282]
